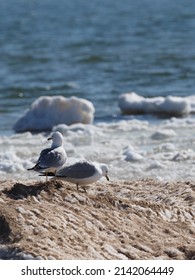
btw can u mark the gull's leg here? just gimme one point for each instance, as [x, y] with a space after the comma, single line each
[77, 187]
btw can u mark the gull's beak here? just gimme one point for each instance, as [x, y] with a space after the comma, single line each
[50, 138]
[107, 177]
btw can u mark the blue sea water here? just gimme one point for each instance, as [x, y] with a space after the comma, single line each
[95, 50]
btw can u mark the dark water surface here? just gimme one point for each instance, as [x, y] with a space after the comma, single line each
[95, 50]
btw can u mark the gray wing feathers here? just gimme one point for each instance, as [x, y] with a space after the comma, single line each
[51, 158]
[43, 152]
[78, 170]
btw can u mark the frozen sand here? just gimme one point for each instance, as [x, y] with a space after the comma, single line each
[138, 219]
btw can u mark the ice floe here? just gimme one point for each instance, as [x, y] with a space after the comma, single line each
[163, 134]
[48, 111]
[132, 103]
[131, 154]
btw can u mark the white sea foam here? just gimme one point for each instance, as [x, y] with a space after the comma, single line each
[132, 103]
[127, 147]
[48, 111]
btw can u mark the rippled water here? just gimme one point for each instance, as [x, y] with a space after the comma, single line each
[94, 49]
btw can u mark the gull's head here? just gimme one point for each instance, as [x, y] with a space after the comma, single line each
[104, 169]
[57, 139]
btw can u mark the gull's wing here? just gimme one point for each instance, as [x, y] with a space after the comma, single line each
[79, 170]
[43, 153]
[52, 158]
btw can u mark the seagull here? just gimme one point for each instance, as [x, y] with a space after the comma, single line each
[81, 173]
[51, 159]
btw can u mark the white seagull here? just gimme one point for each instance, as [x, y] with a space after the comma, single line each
[51, 159]
[81, 173]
